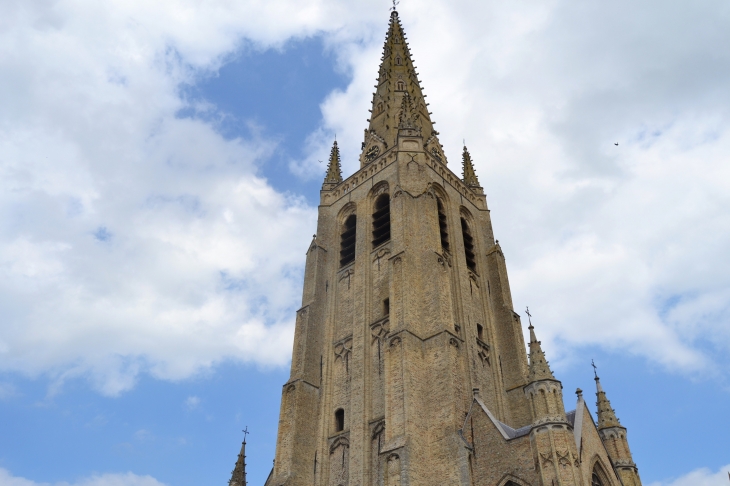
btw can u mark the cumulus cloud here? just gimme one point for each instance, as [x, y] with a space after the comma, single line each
[137, 241]
[699, 477]
[128, 479]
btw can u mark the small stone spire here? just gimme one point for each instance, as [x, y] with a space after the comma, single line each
[470, 177]
[238, 476]
[614, 437]
[334, 167]
[606, 415]
[539, 368]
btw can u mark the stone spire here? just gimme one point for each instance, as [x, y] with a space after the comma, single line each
[544, 392]
[470, 177]
[334, 168]
[397, 79]
[606, 415]
[238, 476]
[539, 368]
[614, 438]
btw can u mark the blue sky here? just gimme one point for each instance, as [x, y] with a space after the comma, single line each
[160, 179]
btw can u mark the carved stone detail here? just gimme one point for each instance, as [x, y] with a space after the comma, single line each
[380, 330]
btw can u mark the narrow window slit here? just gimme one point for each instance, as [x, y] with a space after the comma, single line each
[339, 420]
[442, 226]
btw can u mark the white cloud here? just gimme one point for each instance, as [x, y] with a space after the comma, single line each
[134, 241]
[699, 477]
[192, 402]
[128, 479]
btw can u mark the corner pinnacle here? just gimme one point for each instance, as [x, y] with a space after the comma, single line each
[539, 368]
[470, 177]
[334, 167]
[606, 415]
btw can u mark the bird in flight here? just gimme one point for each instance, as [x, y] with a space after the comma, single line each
[616, 144]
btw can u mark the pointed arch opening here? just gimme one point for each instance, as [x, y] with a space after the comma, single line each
[400, 86]
[443, 228]
[468, 245]
[598, 476]
[347, 240]
[381, 220]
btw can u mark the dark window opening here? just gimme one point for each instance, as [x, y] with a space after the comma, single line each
[468, 246]
[401, 86]
[339, 420]
[480, 332]
[595, 480]
[381, 220]
[386, 307]
[442, 226]
[347, 241]
[398, 61]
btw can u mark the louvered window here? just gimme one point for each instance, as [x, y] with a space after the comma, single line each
[381, 220]
[347, 241]
[468, 246]
[442, 226]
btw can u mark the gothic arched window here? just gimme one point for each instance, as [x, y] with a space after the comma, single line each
[442, 225]
[339, 420]
[347, 241]
[597, 478]
[381, 220]
[468, 246]
[401, 86]
[398, 61]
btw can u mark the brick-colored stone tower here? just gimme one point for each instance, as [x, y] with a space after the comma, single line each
[409, 365]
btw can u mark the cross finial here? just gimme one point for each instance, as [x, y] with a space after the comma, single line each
[245, 433]
[595, 368]
[395, 4]
[529, 316]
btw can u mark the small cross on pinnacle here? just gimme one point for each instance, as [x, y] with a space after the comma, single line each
[595, 369]
[395, 4]
[245, 433]
[529, 316]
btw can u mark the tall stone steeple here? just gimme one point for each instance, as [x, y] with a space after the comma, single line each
[406, 311]
[238, 475]
[334, 169]
[398, 100]
[613, 435]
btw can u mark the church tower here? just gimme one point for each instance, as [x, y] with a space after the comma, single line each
[409, 364]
